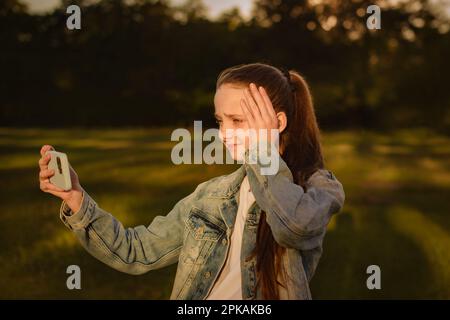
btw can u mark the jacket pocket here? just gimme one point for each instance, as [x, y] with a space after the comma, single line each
[203, 232]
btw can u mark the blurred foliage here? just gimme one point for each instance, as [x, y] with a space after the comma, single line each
[154, 63]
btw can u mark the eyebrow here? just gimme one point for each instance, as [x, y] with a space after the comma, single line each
[229, 115]
[233, 115]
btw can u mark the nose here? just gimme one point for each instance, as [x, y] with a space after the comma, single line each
[225, 135]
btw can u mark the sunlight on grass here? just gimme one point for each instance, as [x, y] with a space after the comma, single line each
[395, 214]
[432, 239]
[44, 247]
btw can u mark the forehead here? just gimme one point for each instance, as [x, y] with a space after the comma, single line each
[228, 98]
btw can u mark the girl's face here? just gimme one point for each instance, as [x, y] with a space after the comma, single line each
[230, 118]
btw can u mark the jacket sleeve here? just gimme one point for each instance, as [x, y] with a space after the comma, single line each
[131, 250]
[298, 218]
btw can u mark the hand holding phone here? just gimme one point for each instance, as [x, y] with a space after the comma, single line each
[66, 185]
[60, 165]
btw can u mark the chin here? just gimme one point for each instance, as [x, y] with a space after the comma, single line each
[237, 157]
[237, 154]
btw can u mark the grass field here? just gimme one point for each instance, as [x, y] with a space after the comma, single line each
[396, 213]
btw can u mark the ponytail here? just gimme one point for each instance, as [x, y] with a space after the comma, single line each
[303, 150]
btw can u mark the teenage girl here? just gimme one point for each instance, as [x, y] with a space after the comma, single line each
[244, 235]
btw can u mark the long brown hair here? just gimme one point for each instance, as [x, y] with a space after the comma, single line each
[301, 150]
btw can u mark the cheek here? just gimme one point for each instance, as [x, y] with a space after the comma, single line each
[236, 134]
[225, 133]
[241, 136]
[229, 131]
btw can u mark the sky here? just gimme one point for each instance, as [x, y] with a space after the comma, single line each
[215, 6]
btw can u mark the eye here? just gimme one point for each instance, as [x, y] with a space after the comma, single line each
[237, 121]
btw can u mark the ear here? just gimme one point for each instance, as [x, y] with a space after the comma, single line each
[282, 121]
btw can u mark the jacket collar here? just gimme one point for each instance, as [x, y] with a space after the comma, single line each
[229, 184]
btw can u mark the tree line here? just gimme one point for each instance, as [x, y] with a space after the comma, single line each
[150, 63]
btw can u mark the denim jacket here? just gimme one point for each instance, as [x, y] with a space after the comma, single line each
[196, 233]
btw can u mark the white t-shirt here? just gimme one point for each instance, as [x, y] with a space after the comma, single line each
[228, 284]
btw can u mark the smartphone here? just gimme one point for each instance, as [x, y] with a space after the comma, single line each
[60, 165]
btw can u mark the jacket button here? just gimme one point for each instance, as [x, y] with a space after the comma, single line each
[199, 232]
[224, 242]
[207, 275]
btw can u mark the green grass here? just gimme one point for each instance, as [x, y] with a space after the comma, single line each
[396, 213]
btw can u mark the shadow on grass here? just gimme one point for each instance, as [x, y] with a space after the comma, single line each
[348, 252]
[395, 216]
[44, 277]
[410, 246]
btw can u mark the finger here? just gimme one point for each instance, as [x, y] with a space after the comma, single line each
[252, 106]
[248, 115]
[259, 101]
[52, 187]
[268, 103]
[63, 195]
[46, 148]
[73, 176]
[72, 169]
[264, 109]
[45, 174]
[43, 162]
[47, 186]
[251, 122]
